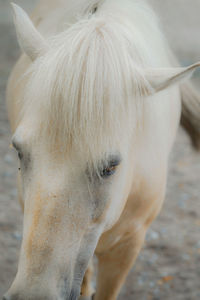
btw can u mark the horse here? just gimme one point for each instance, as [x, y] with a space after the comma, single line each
[94, 104]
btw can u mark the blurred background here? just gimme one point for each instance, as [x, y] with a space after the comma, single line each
[169, 264]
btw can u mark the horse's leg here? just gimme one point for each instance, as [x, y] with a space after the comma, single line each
[87, 289]
[115, 264]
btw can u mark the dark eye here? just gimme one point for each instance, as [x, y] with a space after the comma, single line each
[110, 169]
[20, 155]
[18, 149]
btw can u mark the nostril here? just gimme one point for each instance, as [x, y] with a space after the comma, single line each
[6, 298]
[9, 296]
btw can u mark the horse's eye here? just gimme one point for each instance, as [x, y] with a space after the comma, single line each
[18, 149]
[108, 171]
[20, 155]
[108, 167]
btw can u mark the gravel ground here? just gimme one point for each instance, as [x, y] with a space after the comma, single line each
[169, 265]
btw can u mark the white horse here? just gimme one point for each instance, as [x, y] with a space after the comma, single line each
[94, 104]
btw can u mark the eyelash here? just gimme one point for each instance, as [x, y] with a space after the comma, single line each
[19, 152]
[20, 155]
[109, 171]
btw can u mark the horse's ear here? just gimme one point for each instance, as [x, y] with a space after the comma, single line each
[30, 40]
[161, 79]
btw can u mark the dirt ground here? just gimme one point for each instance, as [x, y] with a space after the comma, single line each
[168, 267]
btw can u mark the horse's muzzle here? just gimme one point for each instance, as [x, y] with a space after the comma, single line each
[74, 295]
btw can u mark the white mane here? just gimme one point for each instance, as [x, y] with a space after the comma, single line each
[90, 84]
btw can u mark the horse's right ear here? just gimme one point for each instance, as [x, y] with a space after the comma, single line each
[30, 40]
[160, 79]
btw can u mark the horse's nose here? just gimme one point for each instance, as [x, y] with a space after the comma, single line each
[74, 295]
[12, 294]
[6, 297]
[11, 297]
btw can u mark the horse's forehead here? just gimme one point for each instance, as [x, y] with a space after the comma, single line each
[58, 154]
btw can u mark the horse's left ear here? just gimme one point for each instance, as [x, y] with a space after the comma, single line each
[30, 40]
[161, 79]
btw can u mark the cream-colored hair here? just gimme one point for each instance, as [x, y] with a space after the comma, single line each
[90, 86]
